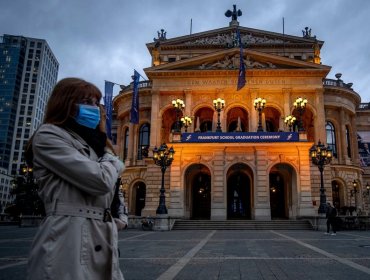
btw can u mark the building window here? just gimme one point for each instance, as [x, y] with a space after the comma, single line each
[125, 145]
[330, 137]
[144, 136]
[348, 142]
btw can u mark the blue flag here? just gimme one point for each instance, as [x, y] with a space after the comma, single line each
[108, 107]
[134, 113]
[241, 77]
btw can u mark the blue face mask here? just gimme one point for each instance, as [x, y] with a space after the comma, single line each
[88, 116]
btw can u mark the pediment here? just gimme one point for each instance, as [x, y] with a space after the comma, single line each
[224, 37]
[229, 59]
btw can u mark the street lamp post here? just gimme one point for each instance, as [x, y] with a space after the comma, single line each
[27, 173]
[289, 121]
[300, 105]
[179, 105]
[354, 192]
[218, 104]
[186, 121]
[321, 156]
[259, 105]
[163, 157]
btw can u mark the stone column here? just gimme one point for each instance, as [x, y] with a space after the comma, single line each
[176, 189]
[287, 92]
[156, 121]
[320, 134]
[354, 144]
[262, 209]
[342, 137]
[254, 114]
[218, 201]
[304, 197]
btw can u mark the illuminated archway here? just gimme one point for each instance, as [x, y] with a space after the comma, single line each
[282, 191]
[198, 192]
[138, 198]
[239, 192]
[237, 116]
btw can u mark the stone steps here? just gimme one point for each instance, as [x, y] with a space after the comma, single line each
[242, 225]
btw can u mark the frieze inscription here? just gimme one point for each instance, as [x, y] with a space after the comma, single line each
[230, 82]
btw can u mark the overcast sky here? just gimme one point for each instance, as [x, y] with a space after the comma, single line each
[105, 40]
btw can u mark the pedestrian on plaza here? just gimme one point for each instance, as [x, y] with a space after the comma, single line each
[76, 170]
[331, 214]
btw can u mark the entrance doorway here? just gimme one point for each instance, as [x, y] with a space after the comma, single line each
[238, 196]
[201, 196]
[277, 196]
[140, 192]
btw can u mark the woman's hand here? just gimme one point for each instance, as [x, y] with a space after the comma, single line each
[103, 119]
[120, 224]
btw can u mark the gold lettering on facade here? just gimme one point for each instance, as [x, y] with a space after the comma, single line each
[233, 82]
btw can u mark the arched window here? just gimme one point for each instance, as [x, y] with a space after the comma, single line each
[125, 144]
[206, 126]
[330, 137]
[348, 142]
[144, 137]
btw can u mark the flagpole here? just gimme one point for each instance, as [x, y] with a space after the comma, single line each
[284, 35]
[113, 83]
[140, 75]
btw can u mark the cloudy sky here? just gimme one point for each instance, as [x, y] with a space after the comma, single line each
[105, 40]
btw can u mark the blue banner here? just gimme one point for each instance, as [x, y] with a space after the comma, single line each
[108, 107]
[239, 137]
[134, 113]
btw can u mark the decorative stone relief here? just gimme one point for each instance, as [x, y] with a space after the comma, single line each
[230, 158]
[207, 158]
[236, 97]
[228, 39]
[233, 62]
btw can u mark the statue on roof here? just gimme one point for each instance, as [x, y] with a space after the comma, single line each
[307, 33]
[161, 36]
[234, 15]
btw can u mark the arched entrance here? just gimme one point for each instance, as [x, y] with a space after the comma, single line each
[336, 194]
[277, 196]
[198, 192]
[139, 191]
[202, 196]
[238, 192]
[282, 181]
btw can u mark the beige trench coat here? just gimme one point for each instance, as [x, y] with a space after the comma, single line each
[72, 179]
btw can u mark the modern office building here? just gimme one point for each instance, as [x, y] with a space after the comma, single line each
[28, 72]
[241, 157]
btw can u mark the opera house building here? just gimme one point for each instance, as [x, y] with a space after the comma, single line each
[240, 123]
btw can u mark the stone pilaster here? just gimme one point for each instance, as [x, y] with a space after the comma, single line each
[155, 126]
[218, 200]
[320, 119]
[261, 189]
[304, 197]
[177, 189]
[342, 137]
[254, 114]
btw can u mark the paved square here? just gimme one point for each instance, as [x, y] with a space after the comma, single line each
[218, 254]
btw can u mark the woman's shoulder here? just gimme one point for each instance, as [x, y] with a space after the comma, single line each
[53, 133]
[50, 130]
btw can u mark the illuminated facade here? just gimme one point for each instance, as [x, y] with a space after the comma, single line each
[237, 169]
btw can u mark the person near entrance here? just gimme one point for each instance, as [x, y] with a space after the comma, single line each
[331, 214]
